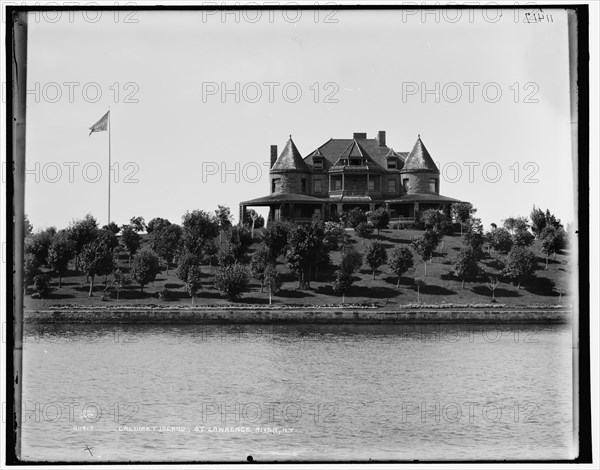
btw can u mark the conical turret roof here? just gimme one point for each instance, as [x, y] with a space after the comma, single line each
[419, 159]
[290, 159]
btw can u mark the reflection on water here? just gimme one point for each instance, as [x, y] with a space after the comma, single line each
[344, 392]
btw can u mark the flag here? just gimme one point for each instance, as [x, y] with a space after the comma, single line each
[101, 125]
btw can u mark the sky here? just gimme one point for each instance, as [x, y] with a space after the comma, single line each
[196, 100]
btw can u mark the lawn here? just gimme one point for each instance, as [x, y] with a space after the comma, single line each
[441, 286]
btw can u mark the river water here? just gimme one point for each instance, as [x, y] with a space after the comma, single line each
[281, 393]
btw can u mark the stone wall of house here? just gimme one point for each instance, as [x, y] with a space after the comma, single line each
[290, 183]
[419, 182]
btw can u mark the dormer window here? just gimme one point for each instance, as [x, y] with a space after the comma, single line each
[318, 163]
[392, 164]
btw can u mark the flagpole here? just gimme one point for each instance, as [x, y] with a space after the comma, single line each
[109, 164]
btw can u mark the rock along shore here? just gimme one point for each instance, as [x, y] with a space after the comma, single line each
[296, 316]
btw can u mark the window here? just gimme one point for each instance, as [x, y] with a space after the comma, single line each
[337, 184]
[392, 164]
[405, 184]
[303, 185]
[317, 186]
[391, 185]
[433, 185]
[318, 164]
[274, 184]
[371, 185]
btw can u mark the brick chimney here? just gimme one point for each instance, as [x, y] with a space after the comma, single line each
[360, 135]
[273, 155]
[381, 138]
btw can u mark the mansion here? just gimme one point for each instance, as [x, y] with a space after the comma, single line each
[346, 173]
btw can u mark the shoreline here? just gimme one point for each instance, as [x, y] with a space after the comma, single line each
[218, 316]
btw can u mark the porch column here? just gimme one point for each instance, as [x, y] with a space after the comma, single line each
[416, 210]
[339, 209]
[372, 206]
[343, 182]
[242, 212]
[323, 211]
[330, 182]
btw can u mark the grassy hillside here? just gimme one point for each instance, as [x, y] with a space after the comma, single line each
[441, 287]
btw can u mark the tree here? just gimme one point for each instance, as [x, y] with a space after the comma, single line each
[209, 253]
[112, 227]
[226, 257]
[39, 243]
[131, 241]
[275, 237]
[252, 216]
[31, 268]
[473, 236]
[82, 232]
[186, 261]
[335, 236]
[538, 221]
[493, 285]
[462, 211]
[165, 240]
[198, 228]
[223, 217]
[61, 250]
[194, 281]
[272, 281]
[240, 240]
[304, 243]
[465, 266]
[27, 227]
[156, 224]
[375, 256]
[351, 261]
[342, 284]
[499, 239]
[518, 264]
[380, 219]
[96, 260]
[354, 217]
[232, 280]
[434, 219]
[138, 223]
[425, 245]
[419, 284]
[400, 262]
[41, 284]
[522, 237]
[553, 241]
[513, 224]
[253, 220]
[119, 281]
[145, 267]
[541, 220]
[261, 260]
[363, 230]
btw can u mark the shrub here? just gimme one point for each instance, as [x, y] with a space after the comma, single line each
[400, 262]
[165, 294]
[232, 280]
[41, 283]
[145, 267]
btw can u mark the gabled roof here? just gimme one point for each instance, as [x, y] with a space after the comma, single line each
[290, 159]
[353, 150]
[333, 149]
[419, 159]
